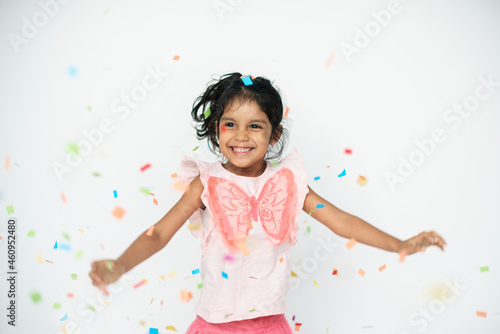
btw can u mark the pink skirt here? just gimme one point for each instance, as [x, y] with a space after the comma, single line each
[271, 324]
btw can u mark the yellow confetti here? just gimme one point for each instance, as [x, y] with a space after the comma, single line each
[172, 274]
[362, 180]
[151, 300]
[171, 328]
[315, 283]
[294, 274]
[80, 230]
[194, 227]
[162, 277]
[39, 258]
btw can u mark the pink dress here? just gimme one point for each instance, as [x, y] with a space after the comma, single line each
[246, 231]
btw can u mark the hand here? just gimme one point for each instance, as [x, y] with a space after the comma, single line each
[420, 242]
[105, 272]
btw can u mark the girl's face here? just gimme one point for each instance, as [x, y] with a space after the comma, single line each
[244, 137]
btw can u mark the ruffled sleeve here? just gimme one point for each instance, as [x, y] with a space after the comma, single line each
[295, 162]
[189, 169]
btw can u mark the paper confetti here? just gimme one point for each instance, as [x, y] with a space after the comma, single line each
[481, 314]
[330, 60]
[70, 295]
[153, 330]
[207, 113]
[72, 71]
[171, 328]
[73, 148]
[115, 194]
[286, 112]
[243, 248]
[247, 81]
[74, 276]
[316, 178]
[348, 151]
[140, 283]
[362, 180]
[63, 198]
[252, 310]
[31, 233]
[382, 268]
[172, 274]
[402, 256]
[146, 166]
[56, 306]
[224, 275]
[79, 254]
[109, 264]
[361, 272]
[10, 209]
[274, 163]
[36, 297]
[484, 269]
[315, 283]
[196, 271]
[320, 206]
[7, 162]
[55, 246]
[342, 174]
[65, 317]
[200, 285]
[309, 229]
[351, 243]
[96, 174]
[176, 57]
[39, 258]
[281, 259]
[150, 230]
[194, 149]
[118, 212]
[145, 191]
[335, 272]
[297, 326]
[155, 201]
[186, 296]
[49, 261]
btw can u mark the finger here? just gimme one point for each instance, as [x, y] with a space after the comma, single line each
[438, 240]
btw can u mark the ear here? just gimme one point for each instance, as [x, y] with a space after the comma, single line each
[277, 135]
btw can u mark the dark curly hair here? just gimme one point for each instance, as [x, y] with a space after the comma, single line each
[225, 90]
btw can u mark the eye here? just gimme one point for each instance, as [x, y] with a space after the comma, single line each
[255, 126]
[229, 125]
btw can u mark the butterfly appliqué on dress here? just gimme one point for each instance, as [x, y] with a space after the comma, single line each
[233, 209]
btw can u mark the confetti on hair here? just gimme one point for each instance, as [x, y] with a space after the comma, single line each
[361, 272]
[342, 174]
[146, 166]
[247, 81]
[351, 243]
[207, 113]
[382, 268]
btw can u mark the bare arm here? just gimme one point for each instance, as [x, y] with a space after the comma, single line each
[349, 226]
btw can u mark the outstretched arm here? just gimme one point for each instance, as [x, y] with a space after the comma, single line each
[349, 226]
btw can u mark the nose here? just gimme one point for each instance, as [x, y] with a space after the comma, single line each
[241, 135]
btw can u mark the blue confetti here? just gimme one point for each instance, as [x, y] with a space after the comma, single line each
[320, 206]
[115, 194]
[342, 174]
[65, 317]
[153, 331]
[196, 271]
[247, 81]
[72, 71]
[224, 275]
[55, 246]
[65, 247]
[316, 178]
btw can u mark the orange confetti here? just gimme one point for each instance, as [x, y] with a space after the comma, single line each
[481, 314]
[351, 243]
[63, 198]
[402, 256]
[49, 261]
[118, 212]
[7, 162]
[173, 175]
[176, 57]
[382, 268]
[286, 112]
[186, 296]
[155, 201]
[281, 259]
[150, 230]
[330, 60]
[361, 272]
[362, 180]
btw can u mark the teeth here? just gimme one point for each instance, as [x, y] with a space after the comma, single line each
[242, 149]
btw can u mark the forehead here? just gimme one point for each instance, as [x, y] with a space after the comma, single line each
[248, 109]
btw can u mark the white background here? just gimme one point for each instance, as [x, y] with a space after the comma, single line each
[378, 102]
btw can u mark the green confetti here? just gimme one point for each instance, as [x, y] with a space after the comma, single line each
[36, 297]
[56, 306]
[90, 109]
[485, 269]
[66, 235]
[195, 148]
[309, 229]
[90, 307]
[78, 254]
[110, 265]
[274, 163]
[73, 148]
[31, 233]
[96, 174]
[207, 113]
[74, 276]
[311, 212]
[200, 285]
[252, 310]
[145, 191]
[10, 209]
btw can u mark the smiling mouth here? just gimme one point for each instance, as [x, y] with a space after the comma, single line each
[241, 149]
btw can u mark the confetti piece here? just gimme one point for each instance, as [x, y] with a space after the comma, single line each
[115, 194]
[172, 274]
[96, 174]
[161, 305]
[186, 296]
[311, 212]
[196, 271]
[286, 112]
[194, 149]
[274, 163]
[49, 261]
[207, 113]
[65, 235]
[342, 174]
[297, 326]
[382, 268]
[228, 257]
[118, 212]
[39, 258]
[309, 229]
[293, 318]
[294, 274]
[55, 246]
[140, 283]
[7, 162]
[224, 275]
[361, 272]
[146, 166]
[252, 310]
[65, 317]
[481, 314]
[36, 297]
[10, 209]
[171, 328]
[484, 269]
[335, 272]
[351, 243]
[56, 306]
[402, 256]
[80, 230]
[74, 276]
[72, 71]
[31, 233]
[247, 81]
[281, 259]
[109, 264]
[348, 151]
[89, 108]
[200, 285]
[153, 331]
[316, 178]
[173, 176]
[145, 191]
[73, 148]
[155, 201]
[79, 254]
[330, 60]
[70, 295]
[63, 198]
[362, 180]
[194, 227]
[315, 283]
[320, 206]
[176, 57]
[150, 230]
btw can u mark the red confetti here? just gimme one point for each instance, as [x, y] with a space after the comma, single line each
[176, 57]
[143, 168]
[348, 151]
[70, 295]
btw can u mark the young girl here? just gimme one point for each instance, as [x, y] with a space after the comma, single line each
[245, 210]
